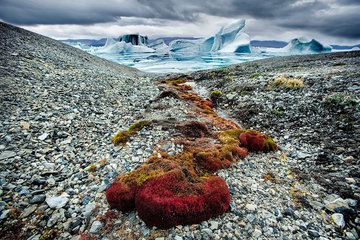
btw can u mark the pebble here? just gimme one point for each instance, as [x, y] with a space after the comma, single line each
[57, 201]
[250, 217]
[7, 154]
[38, 199]
[214, 225]
[28, 211]
[43, 136]
[338, 220]
[257, 233]
[337, 205]
[250, 207]
[313, 233]
[95, 227]
[4, 214]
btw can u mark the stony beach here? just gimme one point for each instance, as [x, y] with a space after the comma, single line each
[60, 108]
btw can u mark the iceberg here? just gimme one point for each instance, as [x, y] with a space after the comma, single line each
[227, 39]
[112, 46]
[186, 46]
[304, 45]
[241, 44]
[160, 46]
[134, 39]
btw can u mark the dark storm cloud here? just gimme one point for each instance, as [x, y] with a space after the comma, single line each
[340, 24]
[307, 15]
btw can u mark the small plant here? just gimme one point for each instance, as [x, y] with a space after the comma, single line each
[270, 176]
[299, 196]
[230, 90]
[138, 126]
[278, 110]
[341, 100]
[92, 168]
[290, 83]
[216, 94]
[255, 75]
[294, 83]
[122, 137]
[244, 92]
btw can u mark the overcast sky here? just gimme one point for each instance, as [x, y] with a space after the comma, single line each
[330, 21]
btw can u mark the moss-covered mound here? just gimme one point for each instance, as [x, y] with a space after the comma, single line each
[171, 200]
[257, 142]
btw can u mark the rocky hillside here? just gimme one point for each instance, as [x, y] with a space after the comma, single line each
[60, 108]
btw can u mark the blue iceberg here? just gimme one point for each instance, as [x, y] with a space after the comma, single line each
[303, 45]
[227, 39]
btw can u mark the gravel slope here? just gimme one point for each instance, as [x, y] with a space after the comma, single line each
[61, 106]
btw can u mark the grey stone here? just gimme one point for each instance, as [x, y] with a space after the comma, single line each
[4, 214]
[214, 225]
[28, 211]
[337, 205]
[57, 201]
[53, 219]
[89, 208]
[313, 233]
[250, 207]
[95, 226]
[251, 218]
[38, 199]
[257, 233]
[7, 154]
[43, 136]
[207, 231]
[350, 236]
[317, 205]
[338, 220]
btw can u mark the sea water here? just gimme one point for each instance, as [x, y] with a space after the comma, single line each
[181, 62]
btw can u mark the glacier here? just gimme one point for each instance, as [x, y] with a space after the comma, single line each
[227, 39]
[304, 45]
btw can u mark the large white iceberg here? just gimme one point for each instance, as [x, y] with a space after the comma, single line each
[227, 39]
[304, 45]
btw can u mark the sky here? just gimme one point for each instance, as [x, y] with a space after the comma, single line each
[330, 21]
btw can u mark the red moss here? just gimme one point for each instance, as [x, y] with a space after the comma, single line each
[208, 103]
[171, 200]
[256, 141]
[209, 160]
[239, 152]
[121, 196]
[121, 193]
[194, 129]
